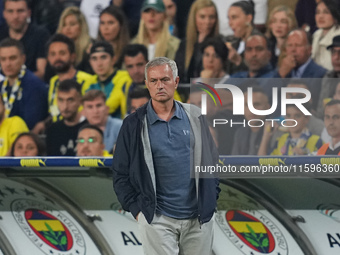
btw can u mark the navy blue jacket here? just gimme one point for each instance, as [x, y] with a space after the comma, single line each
[31, 100]
[313, 75]
[133, 173]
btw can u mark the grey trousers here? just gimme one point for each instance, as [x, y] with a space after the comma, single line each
[168, 236]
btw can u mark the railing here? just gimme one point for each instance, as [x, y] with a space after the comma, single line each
[107, 162]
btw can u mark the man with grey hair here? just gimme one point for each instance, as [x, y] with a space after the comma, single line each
[156, 152]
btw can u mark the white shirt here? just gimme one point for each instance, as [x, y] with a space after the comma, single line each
[151, 51]
[241, 47]
[333, 147]
[91, 10]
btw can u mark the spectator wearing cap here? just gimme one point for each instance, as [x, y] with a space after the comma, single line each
[331, 79]
[327, 19]
[154, 32]
[90, 142]
[113, 82]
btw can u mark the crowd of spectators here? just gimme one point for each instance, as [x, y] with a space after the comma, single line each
[72, 70]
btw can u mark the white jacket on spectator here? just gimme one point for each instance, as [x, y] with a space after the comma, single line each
[320, 54]
[92, 9]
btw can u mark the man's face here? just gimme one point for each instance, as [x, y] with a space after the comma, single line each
[332, 120]
[301, 119]
[89, 143]
[96, 111]
[138, 102]
[335, 53]
[297, 46]
[11, 61]
[260, 102]
[101, 63]
[16, 15]
[68, 103]
[161, 83]
[170, 8]
[136, 66]
[60, 57]
[297, 94]
[256, 53]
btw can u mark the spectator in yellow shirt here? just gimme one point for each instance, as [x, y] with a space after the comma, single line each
[113, 82]
[10, 128]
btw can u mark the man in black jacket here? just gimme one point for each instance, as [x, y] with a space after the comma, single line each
[157, 152]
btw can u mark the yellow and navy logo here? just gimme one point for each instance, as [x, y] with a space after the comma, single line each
[32, 162]
[251, 231]
[38, 218]
[248, 226]
[272, 161]
[330, 161]
[91, 162]
[49, 229]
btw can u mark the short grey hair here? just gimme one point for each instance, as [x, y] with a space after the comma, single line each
[162, 61]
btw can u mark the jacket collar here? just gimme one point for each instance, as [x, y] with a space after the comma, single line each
[194, 110]
[264, 70]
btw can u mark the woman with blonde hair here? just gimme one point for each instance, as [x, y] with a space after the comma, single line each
[72, 23]
[202, 24]
[281, 20]
[113, 29]
[154, 32]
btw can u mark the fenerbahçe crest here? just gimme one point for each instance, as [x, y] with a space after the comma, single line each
[252, 232]
[41, 220]
[48, 229]
[247, 225]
